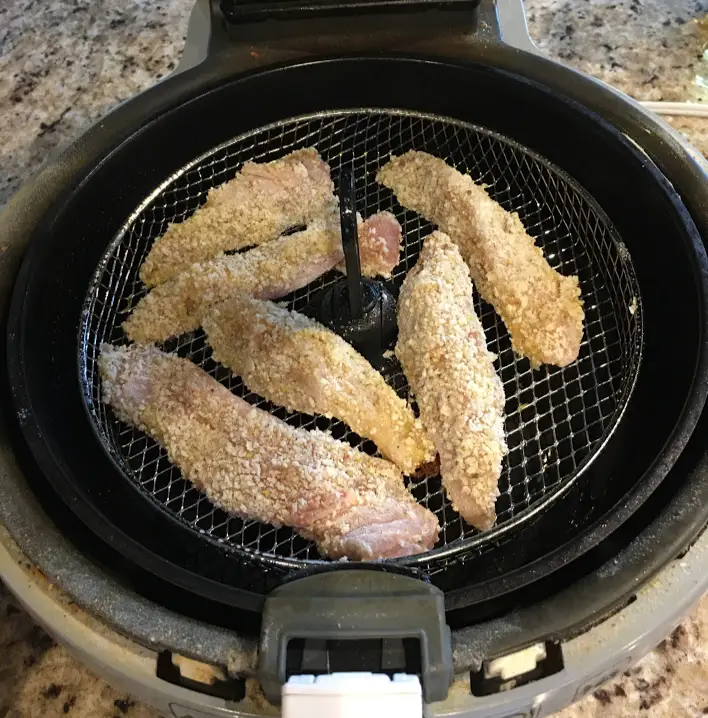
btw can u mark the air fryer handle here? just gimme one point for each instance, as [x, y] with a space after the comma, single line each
[215, 36]
[351, 603]
[503, 19]
[240, 11]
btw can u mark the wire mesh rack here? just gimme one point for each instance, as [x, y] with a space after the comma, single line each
[557, 419]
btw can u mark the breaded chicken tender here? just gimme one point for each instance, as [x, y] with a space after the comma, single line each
[296, 362]
[269, 271]
[260, 203]
[541, 308]
[443, 353]
[256, 466]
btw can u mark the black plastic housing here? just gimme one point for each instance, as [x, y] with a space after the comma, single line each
[657, 220]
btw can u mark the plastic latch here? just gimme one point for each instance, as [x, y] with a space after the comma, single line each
[352, 695]
[516, 664]
[356, 605]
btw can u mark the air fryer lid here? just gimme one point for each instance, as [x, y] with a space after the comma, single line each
[651, 222]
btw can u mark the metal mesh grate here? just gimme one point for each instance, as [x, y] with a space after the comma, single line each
[556, 419]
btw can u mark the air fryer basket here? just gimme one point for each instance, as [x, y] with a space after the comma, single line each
[614, 426]
[557, 420]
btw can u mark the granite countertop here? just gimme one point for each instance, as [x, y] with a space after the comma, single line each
[66, 62]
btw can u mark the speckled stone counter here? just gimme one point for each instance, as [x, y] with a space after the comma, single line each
[63, 63]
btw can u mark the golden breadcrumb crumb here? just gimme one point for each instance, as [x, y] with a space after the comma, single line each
[541, 308]
[296, 362]
[442, 350]
[256, 466]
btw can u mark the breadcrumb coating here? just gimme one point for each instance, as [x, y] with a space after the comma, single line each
[296, 362]
[269, 271]
[541, 308]
[443, 352]
[260, 203]
[258, 467]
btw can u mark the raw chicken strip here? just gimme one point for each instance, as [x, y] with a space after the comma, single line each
[269, 271]
[444, 355]
[379, 245]
[256, 206]
[541, 308]
[256, 466]
[293, 361]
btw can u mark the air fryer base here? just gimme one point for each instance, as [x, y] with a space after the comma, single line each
[589, 660]
[52, 416]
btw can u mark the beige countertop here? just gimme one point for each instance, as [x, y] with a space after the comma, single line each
[64, 63]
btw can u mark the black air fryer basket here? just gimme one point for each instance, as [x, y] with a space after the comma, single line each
[610, 194]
